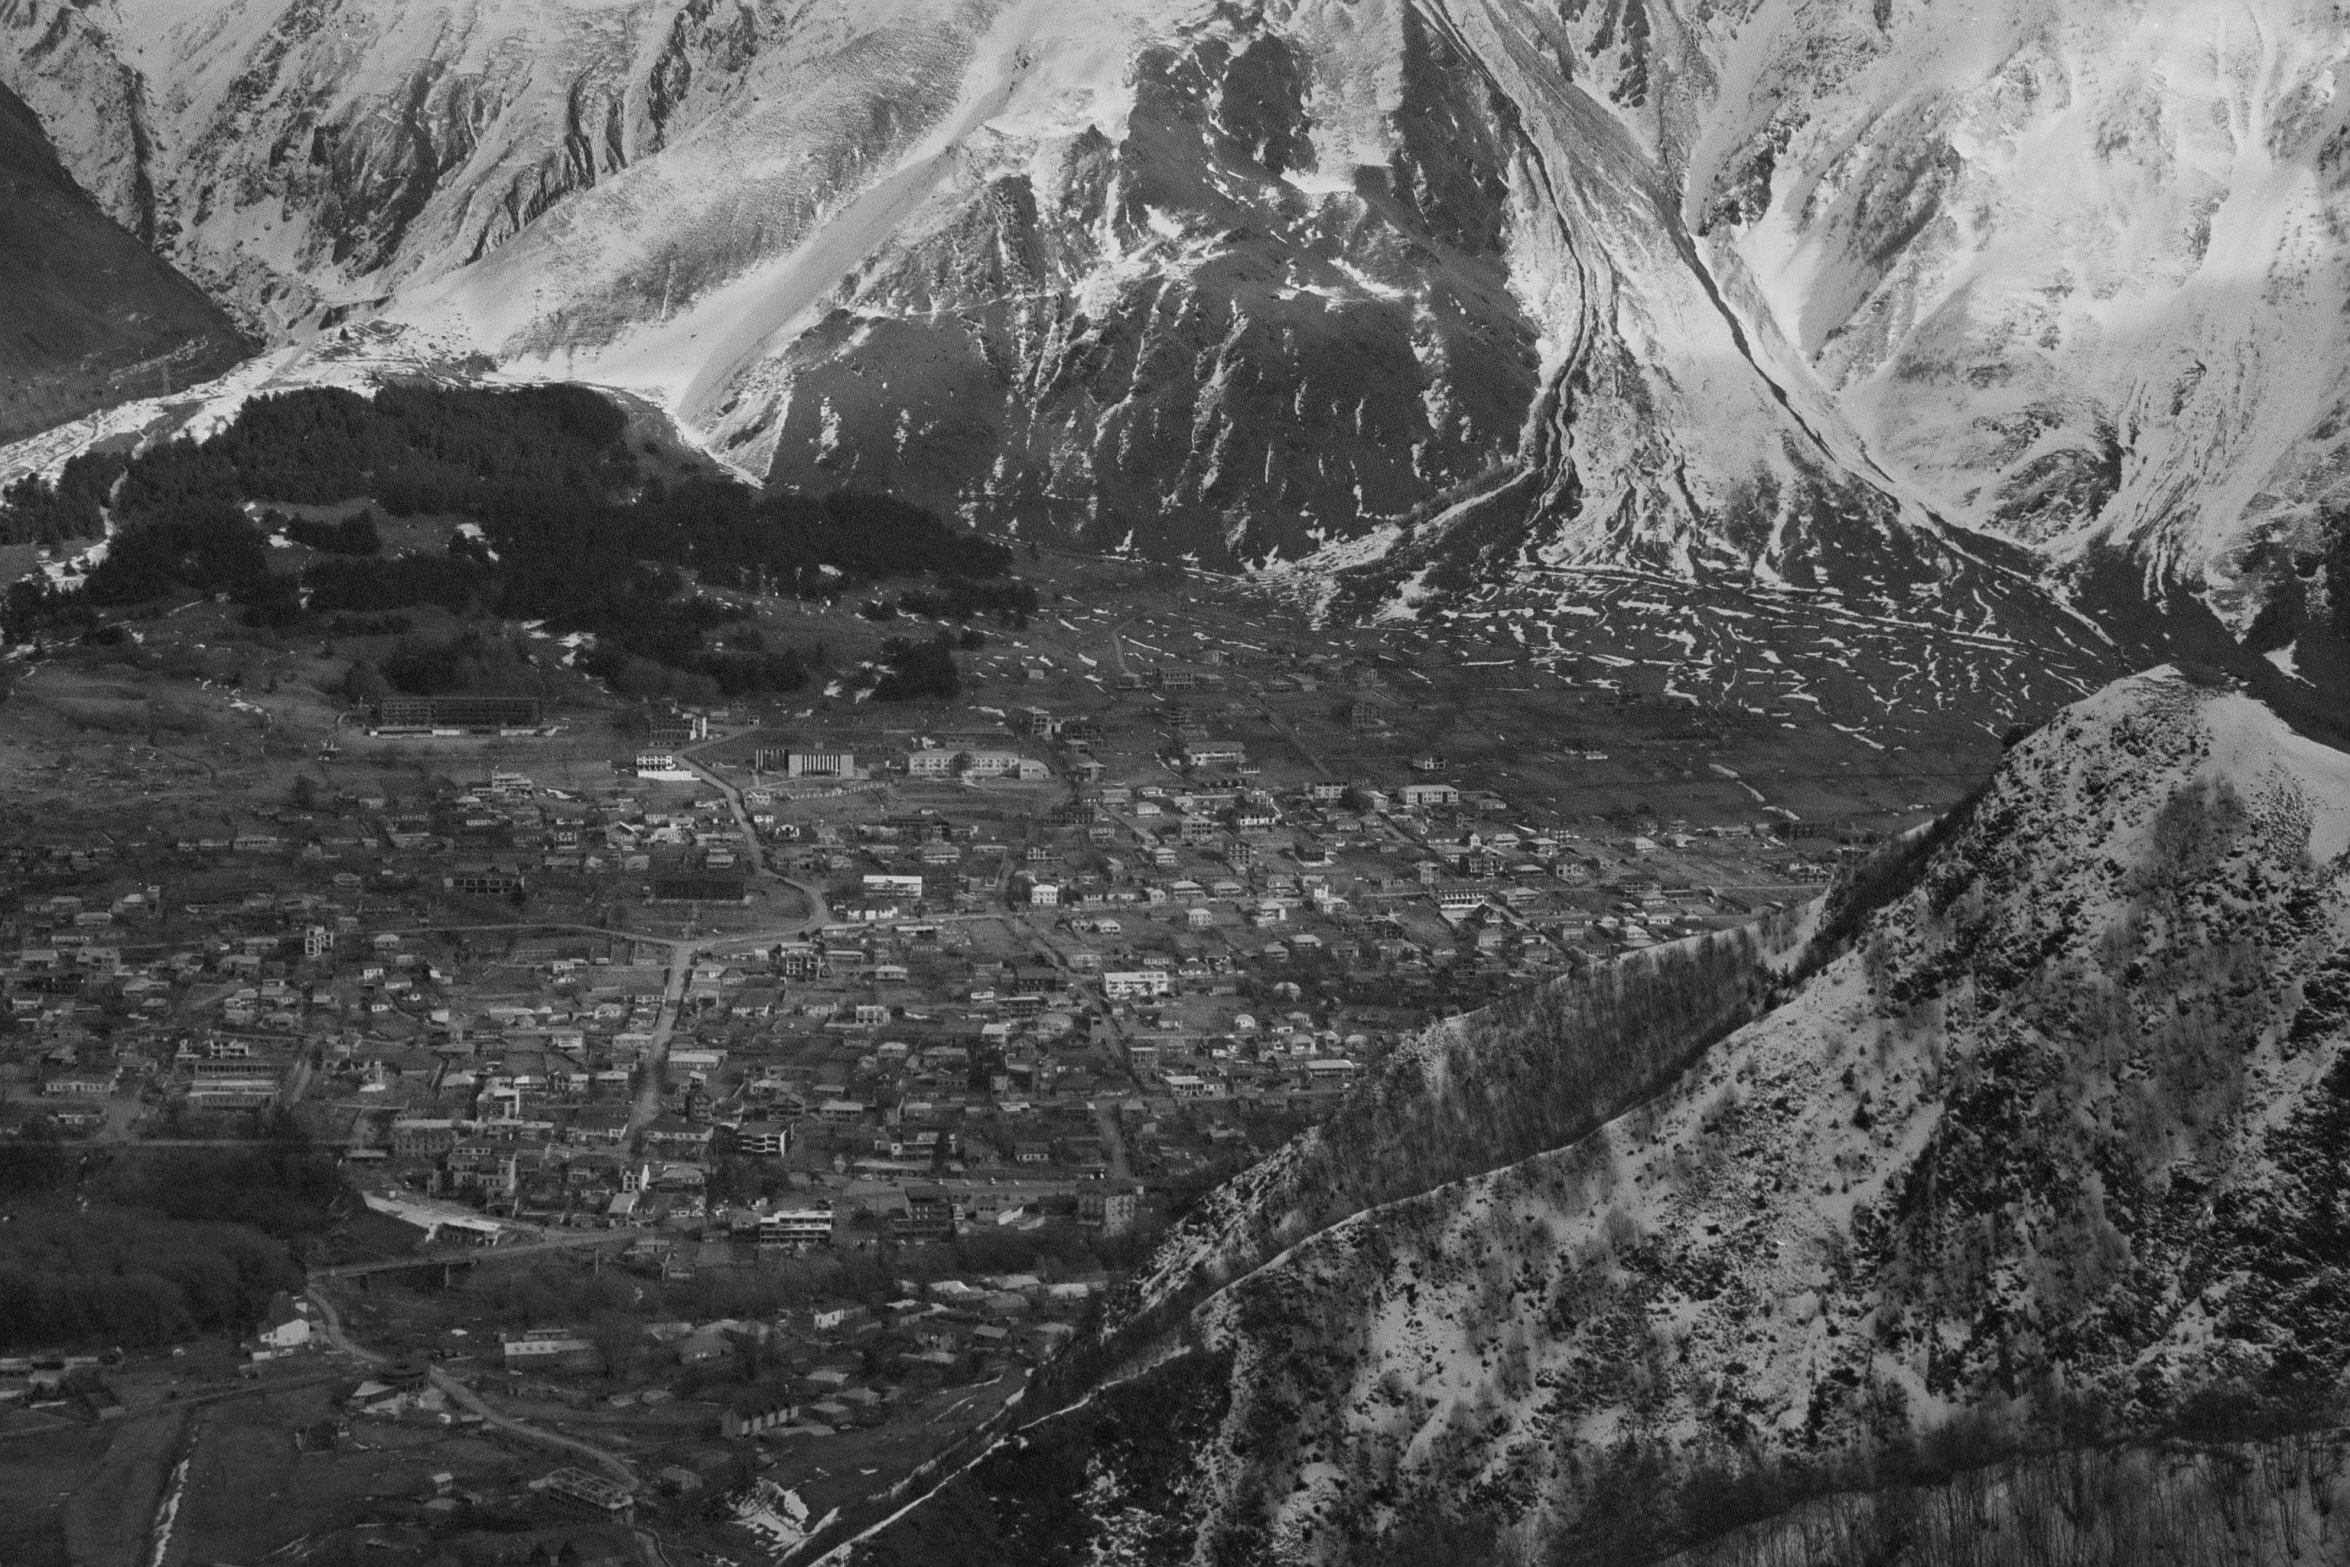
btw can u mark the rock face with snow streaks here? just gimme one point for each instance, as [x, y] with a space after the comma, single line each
[1791, 295]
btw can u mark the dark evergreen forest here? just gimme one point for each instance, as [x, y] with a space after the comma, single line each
[147, 1247]
[571, 531]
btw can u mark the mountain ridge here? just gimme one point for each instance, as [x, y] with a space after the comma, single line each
[2033, 1150]
[1503, 285]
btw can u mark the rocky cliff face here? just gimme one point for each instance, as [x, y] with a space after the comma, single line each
[2038, 1143]
[1448, 291]
[92, 316]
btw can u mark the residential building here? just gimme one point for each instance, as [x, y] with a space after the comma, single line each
[1111, 1212]
[286, 1326]
[752, 1412]
[1214, 753]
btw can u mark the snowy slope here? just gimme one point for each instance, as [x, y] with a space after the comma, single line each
[2051, 1152]
[1809, 295]
[2072, 272]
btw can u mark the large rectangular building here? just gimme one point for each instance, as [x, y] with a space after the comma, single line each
[458, 712]
[1214, 753]
[940, 762]
[1134, 984]
[699, 887]
[794, 763]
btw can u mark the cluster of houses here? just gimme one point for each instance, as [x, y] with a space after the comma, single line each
[814, 1370]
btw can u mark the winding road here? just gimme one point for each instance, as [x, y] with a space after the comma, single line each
[466, 1398]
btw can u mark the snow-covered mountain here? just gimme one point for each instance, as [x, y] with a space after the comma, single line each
[2035, 1142]
[1797, 295]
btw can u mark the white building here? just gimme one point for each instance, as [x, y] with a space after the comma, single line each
[943, 763]
[1136, 984]
[796, 1227]
[287, 1327]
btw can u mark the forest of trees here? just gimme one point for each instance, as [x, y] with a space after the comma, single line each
[571, 532]
[206, 546]
[473, 662]
[114, 1276]
[348, 536]
[1010, 601]
[153, 1246]
[34, 511]
[913, 671]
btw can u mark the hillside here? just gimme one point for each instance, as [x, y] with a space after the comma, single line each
[94, 317]
[2042, 1150]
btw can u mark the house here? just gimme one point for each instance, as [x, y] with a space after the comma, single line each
[285, 1327]
[547, 1349]
[420, 1137]
[756, 1411]
[89, 1085]
[673, 1135]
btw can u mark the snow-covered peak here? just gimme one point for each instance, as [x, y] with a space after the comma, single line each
[1790, 293]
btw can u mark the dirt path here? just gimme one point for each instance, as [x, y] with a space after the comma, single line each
[466, 1398]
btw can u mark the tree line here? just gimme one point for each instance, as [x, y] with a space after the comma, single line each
[568, 529]
[35, 511]
[151, 1246]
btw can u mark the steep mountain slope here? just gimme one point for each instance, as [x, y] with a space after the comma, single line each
[92, 316]
[2071, 273]
[2048, 1151]
[1809, 301]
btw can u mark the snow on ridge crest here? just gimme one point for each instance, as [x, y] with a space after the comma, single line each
[2032, 1146]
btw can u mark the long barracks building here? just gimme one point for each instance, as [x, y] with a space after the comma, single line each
[458, 712]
